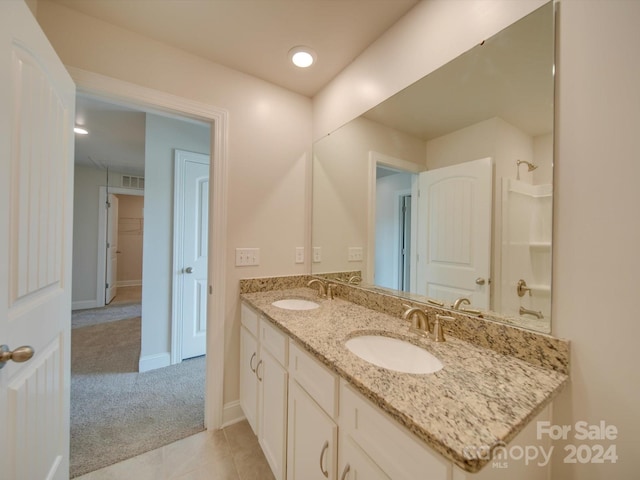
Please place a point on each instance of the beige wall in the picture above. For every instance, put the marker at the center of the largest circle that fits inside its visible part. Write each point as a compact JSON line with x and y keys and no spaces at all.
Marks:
{"x":597,"y":226}
{"x":269,"y":143}
{"x":341,"y":186}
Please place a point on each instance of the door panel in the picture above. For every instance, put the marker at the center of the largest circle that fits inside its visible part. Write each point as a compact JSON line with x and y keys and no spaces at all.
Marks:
{"x":111,"y":287}
{"x":454,"y":237}
{"x":192,"y":206}
{"x":37,"y":104}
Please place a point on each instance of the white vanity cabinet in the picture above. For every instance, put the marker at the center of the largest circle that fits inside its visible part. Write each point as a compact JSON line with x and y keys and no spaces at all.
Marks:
{"x":313,"y":425}
{"x":381,"y":446}
{"x":264,"y":386}
{"x":355,"y":464}
{"x":248,"y":363}
{"x":313,"y":433}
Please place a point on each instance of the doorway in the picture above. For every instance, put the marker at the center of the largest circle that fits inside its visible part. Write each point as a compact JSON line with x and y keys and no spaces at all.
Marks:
{"x":124,"y":92}
{"x":163,"y":135}
{"x":120,"y":242}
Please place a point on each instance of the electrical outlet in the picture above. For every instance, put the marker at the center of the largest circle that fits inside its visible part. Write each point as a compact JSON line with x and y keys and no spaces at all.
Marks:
{"x":317,"y":254}
{"x":355,"y":254}
{"x":299,"y":254}
{"x":247,"y":257}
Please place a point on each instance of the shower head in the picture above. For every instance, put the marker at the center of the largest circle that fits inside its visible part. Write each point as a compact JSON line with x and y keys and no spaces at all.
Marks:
{"x":530,"y":166}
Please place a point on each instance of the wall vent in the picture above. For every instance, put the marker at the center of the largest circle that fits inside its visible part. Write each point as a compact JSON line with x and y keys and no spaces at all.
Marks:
{"x":129,"y":181}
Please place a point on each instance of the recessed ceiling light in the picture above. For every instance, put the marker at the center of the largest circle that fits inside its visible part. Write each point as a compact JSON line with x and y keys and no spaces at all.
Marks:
{"x":81,"y":131}
{"x":302,"y":57}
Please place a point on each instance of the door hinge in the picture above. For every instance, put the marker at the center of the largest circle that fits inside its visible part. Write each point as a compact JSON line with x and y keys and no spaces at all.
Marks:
{"x":108,"y":204}
{"x":108,"y":245}
{"x":106,"y":286}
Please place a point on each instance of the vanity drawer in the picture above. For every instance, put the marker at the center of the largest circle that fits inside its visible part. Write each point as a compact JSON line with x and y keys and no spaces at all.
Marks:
{"x":396,"y":451}
{"x":274,"y":341}
{"x":249,"y":318}
{"x":320,"y":383}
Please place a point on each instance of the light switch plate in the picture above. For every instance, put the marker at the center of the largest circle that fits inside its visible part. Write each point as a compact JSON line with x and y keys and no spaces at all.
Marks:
{"x":317,"y":254}
{"x":299,"y":254}
{"x":246,"y":257}
{"x":355,"y":254}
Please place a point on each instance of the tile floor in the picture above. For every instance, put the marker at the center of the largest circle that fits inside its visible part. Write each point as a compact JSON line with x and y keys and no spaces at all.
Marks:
{"x":229,"y":454}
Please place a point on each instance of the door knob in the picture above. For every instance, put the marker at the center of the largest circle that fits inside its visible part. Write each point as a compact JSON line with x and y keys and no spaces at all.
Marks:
{"x":19,"y":355}
{"x":188,"y":270}
{"x":480,"y":281}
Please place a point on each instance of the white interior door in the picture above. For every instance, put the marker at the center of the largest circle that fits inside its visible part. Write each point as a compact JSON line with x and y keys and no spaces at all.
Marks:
{"x":454,"y":232}
{"x":37,"y":103}
{"x":111,"y":280}
{"x":191,"y":217}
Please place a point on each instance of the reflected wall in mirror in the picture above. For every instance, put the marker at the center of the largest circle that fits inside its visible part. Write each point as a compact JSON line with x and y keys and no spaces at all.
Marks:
{"x":445,"y":189}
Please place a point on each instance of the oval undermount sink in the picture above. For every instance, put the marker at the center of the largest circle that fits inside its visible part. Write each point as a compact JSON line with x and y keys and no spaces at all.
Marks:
{"x":393,"y":354}
{"x":295,"y":304}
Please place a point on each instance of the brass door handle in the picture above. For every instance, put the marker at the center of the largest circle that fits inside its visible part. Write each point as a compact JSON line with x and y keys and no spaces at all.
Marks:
{"x":480,"y":281}
{"x":19,"y":355}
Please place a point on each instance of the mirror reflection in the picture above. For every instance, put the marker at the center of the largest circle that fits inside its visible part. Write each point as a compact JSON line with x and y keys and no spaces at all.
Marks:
{"x":445,"y":189}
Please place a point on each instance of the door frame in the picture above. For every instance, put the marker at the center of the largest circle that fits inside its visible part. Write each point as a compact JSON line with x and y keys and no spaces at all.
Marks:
{"x":101,"y":275}
{"x":119,"y":91}
{"x":375,"y":159}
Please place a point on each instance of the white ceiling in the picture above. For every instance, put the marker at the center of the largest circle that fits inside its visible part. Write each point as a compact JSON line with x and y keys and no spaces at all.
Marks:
{"x":255,"y":36}
{"x":251,"y":36}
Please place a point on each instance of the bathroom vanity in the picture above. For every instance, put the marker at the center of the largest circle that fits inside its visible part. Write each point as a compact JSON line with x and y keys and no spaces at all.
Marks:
{"x":320,"y":411}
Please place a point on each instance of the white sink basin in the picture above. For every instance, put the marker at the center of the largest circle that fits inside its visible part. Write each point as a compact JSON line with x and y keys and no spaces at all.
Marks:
{"x":393,"y":354}
{"x":295,"y":304}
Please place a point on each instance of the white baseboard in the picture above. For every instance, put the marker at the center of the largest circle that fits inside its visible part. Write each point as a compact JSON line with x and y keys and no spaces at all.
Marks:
{"x":232,"y":413}
{"x":85,"y":304}
{"x":151,"y":362}
{"x":129,"y":283}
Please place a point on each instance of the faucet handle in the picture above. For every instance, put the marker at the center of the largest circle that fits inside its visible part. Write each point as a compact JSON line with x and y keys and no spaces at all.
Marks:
{"x":438,"y":332}
{"x":331,"y":290}
{"x":521,"y":288}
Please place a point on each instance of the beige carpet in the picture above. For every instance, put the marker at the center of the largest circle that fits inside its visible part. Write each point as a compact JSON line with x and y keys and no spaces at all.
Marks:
{"x":118,"y":413}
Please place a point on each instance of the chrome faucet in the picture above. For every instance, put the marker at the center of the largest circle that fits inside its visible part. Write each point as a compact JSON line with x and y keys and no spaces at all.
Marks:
{"x":322,"y":287}
{"x":459,"y":302}
{"x":419,"y":320}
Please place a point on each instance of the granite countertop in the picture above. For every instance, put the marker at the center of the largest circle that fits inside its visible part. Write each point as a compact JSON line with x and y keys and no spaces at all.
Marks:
{"x":479,"y":399}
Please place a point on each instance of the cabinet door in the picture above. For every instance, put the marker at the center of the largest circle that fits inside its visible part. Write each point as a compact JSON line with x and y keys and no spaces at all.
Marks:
{"x":272,"y":412}
{"x":355,"y":464}
{"x":248,"y":379}
{"x":312,"y":452}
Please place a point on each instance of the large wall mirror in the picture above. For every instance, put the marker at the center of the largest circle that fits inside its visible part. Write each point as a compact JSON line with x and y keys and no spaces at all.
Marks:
{"x":445,"y":189}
